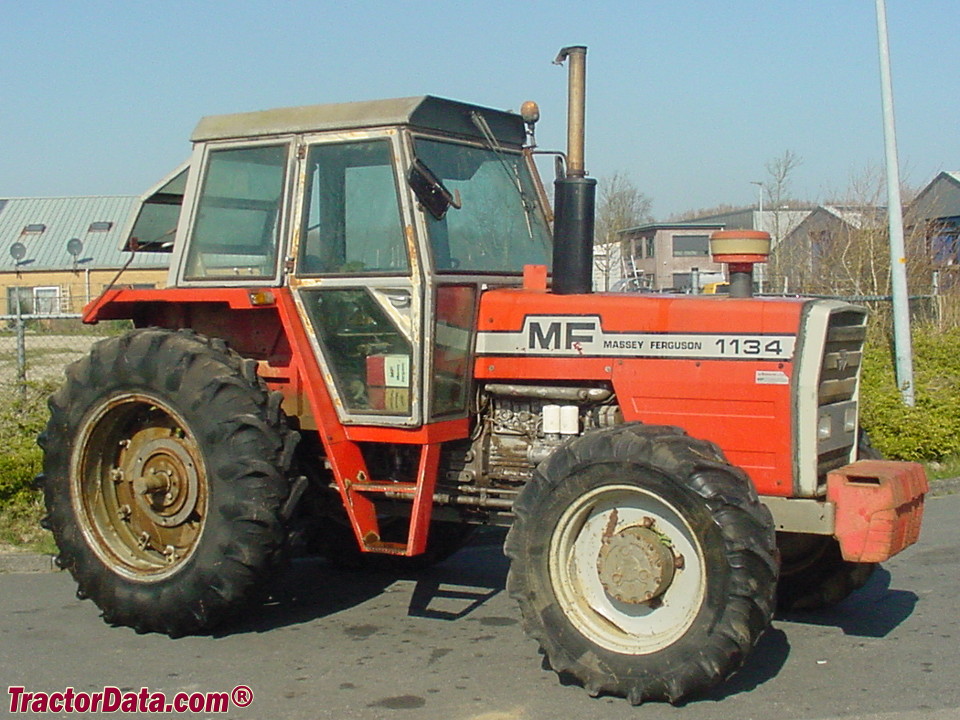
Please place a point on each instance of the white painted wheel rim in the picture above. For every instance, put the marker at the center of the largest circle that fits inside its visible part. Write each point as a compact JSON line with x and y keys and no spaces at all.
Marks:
{"x":627,"y":628}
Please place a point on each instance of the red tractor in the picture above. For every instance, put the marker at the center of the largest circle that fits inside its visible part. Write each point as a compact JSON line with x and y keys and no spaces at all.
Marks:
{"x":360,"y":342}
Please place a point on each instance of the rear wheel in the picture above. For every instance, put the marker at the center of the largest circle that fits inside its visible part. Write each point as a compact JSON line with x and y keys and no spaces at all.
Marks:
{"x":643,"y":563}
{"x":813,"y":573}
{"x":164,"y":475}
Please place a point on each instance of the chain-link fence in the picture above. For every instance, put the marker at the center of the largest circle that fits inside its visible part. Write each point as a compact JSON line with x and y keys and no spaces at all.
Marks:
{"x":36,"y":348}
{"x":924,"y":309}
{"x":939,"y":311}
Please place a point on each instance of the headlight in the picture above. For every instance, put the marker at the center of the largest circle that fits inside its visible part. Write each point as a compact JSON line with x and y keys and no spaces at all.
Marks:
{"x":850,"y":419}
{"x":824,"y":427}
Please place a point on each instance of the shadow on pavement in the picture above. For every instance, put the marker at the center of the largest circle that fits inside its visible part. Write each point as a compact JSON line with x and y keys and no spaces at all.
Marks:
{"x":312,"y":588}
{"x":763,"y":664}
{"x":462,"y":584}
{"x":309,"y":589}
{"x":874,"y":611}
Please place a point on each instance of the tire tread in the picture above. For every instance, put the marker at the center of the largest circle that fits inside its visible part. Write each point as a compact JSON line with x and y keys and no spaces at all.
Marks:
{"x":747,"y":533}
{"x":247,"y":447}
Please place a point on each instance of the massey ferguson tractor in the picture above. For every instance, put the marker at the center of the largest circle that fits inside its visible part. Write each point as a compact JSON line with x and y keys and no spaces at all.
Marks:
{"x":377,"y":335}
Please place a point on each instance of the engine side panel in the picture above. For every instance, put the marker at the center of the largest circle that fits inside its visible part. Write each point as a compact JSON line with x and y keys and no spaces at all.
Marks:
{"x":723,"y":402}
{"x":720,"y":368}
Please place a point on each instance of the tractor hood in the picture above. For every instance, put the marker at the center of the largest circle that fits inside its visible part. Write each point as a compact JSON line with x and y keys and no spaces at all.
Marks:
{"x":604,"y":325}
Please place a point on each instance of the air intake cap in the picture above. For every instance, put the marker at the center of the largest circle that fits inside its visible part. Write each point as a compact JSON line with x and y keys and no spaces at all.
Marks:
{"x":740,"y":250}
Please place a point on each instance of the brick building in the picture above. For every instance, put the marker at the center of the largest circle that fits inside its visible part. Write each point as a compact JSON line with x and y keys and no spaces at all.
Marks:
{"x":60,"y":253}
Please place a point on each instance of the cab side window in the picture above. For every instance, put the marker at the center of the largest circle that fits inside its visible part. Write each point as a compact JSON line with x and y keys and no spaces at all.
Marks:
{"x":352,"y":222}
{"x":237,"y":227}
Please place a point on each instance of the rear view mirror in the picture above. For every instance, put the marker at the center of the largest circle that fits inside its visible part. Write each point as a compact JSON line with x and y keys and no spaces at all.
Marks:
{"x":430,"y":190}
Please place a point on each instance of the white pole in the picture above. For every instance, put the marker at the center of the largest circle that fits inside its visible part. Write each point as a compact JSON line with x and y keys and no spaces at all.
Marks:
{"x":759,"y":185}
{"x":898,"y":260}
{"x":759,"y":226}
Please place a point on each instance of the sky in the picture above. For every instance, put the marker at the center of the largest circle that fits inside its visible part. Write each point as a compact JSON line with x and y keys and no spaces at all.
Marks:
{"x":691,"y":99}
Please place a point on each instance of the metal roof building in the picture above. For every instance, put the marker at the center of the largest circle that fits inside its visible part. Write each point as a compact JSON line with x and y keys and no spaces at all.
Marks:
{"x":939,"y":199}
{"x":39,"y":230}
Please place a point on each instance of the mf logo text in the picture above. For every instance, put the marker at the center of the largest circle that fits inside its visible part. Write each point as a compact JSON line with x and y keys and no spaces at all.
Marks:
{"x":561,"y":334}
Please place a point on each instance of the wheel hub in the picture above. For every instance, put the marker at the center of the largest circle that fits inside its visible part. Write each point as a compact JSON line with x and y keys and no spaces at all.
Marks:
{"x":635,"y":566}
{"x":164,"y":477}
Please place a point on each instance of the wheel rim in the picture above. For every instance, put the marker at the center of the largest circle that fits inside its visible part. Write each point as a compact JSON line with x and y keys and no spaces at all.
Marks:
{"x":139,"y":486}
{"x":627,"y":569}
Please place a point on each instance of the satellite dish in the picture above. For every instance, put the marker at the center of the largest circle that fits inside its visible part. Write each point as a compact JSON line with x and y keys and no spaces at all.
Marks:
{"x":75,"y":247}
{"x":18,"y":251}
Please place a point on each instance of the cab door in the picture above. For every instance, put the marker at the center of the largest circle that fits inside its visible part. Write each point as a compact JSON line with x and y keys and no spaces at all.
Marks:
{"x":358,"y":276}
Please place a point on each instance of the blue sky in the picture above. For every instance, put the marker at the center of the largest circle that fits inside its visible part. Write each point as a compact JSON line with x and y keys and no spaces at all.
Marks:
{"x":690,"y":98}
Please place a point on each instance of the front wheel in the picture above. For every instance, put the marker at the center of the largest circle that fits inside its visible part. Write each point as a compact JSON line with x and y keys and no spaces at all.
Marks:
{"x":643,"y":563}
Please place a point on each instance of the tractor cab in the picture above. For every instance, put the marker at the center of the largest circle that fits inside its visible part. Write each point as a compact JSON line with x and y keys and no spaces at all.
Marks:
{"x":385,"y":219}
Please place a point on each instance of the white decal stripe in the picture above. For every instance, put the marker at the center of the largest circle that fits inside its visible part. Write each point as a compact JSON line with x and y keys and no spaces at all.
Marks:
{"x":572,"y":336}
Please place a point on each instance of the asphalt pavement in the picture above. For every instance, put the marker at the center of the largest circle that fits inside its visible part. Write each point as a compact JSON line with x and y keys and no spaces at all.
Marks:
{"x":447,"y":643}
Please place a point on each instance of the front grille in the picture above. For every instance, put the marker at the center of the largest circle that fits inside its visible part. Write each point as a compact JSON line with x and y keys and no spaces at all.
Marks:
{"x":842,"y":354}
{"x":837,"y":387}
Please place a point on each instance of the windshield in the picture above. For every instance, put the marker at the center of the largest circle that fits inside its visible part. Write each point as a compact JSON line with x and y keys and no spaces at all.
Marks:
{"x":498,"y":227}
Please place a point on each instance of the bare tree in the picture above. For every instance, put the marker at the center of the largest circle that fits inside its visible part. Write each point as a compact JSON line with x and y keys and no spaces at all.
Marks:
{"x":779,"y":171}
{"x":847,"y":253}
{"x":620,"y":205}
{"x":721,"y":209}
{"x":777,"y":189}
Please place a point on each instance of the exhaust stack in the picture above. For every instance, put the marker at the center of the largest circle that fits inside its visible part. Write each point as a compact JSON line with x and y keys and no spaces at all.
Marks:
{"x":575,"y":194}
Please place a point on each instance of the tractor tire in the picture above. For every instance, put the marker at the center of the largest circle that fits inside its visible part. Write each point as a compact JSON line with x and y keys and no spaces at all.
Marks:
{"x":813,"y":573}
{"x":164,"y":474}
{"x":643,"y":562}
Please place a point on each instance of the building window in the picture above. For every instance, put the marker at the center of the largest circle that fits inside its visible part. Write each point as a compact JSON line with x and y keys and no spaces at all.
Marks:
{"x":683,"y":281}
{"x":821,"y":243}
{"x":33,"y":229}
{"x":648,"y":247}
{"x":944,"y":238}
{"x":100,"y":226}
{"x":19,"y":300}
{"x":43,"y":300}
{"x":691,"y":246}
{"x":46,"y":300}
{"x":128,"y":286}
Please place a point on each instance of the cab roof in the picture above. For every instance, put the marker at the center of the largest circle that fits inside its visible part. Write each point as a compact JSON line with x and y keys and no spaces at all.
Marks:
{"x":425,"y":112}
